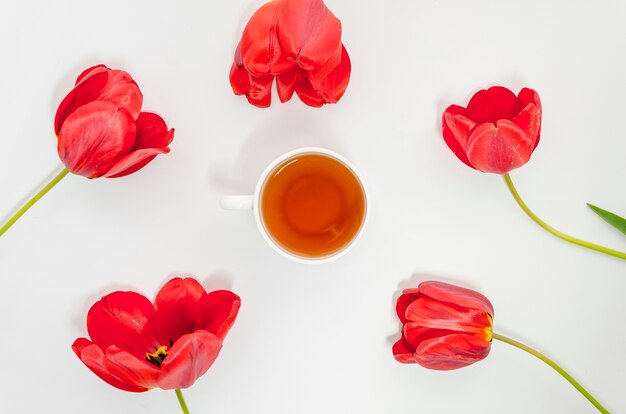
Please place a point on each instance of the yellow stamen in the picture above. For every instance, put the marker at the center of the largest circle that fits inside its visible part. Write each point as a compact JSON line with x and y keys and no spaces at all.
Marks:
{"x":489,"y":330}
{"x":157,"y":356}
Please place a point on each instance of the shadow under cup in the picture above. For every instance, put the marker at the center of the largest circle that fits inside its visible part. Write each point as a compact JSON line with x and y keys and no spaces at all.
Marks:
{"x":312,"y":205}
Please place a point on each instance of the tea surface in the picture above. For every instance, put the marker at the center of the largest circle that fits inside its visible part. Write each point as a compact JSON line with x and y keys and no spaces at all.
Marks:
{"x":312,"y":205}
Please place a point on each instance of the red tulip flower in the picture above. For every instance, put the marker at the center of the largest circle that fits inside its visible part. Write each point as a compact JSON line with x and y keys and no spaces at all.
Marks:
{"x":102,"y":132}
{"x":100,"y":129}
{"x":137,"y":345}
{"x":298,"y":43}
{"x":445,"y":327}
{"x":498,"y":133}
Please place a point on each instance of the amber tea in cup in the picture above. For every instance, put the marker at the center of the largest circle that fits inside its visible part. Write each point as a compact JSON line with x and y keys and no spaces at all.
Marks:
{"x":309,"y":204}
{"x":312,"y":205}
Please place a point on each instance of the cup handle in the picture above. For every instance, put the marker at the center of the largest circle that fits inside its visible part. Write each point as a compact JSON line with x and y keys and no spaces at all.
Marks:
{"x":237,"y":202}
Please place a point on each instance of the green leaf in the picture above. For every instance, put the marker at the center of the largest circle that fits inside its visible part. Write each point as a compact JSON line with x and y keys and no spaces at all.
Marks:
{"x":613,"y":219}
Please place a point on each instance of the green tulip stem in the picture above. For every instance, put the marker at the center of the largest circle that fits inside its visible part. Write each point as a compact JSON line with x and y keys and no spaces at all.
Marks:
{"x":554,"y":231}
{"x":181,"y":401}
{"x":32,"y":201}
{"x":556,"y":367}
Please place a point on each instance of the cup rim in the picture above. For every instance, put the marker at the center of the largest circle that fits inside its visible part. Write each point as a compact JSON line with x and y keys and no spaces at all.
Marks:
{"x":265,"y":233}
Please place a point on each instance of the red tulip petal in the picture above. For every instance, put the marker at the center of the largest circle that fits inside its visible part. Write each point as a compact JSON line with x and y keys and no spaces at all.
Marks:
{"x":499,"y":149}
{"x":82,"y":94}
{"x":460,"y":127}
{"x":93,"y":357}
{"x":258,"y":89}
{"x":403,"y":352}
{"x":308,"y":95}
{"x":259,"y":50}
{"x":341,"y":75}
{"x":122,"y":319}
{"x":414,"y":333}
{"x":131,"y":369}
{"x":134,"y":161}
{"x":260,"y":93}
{"x":87,"y":73}
{"x":115,"y":86}
{"x":239,"y":76}
{"x":177,"y":309}
{"x":403,"y":302}
{"x":479,"y":108}
{"x":446,"y":292}
{"x":95,"y":137}
{"x":529,"y":121}
{"x":320,"y":73}
{"x":451,"y":351}
{"x":219,"y":310}
{"x":455,"y":110}
{"x":433,"y":314}
{"x":122,"y":90}
{"x":331,"y":80}
{"x":80,"y":344}
{"x":501,"y":102}
{"x":152,"y":139}
{"x":308,"y":33}
{"x":456,"y":132}
{"x":152,"y":132}
{"x":528,"y":96}
{"x":286,"y":83}
{"x":491,"y":105}
{"x":190,"y":357}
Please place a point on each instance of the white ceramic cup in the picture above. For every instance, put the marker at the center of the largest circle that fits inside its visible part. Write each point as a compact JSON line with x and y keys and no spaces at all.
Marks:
{"x":253,"y":202}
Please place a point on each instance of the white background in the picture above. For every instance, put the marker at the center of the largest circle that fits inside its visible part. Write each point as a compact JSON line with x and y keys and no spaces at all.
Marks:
{"x":313,"y":339}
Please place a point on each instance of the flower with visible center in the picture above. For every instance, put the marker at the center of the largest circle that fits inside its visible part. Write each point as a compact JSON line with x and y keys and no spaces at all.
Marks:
{"x":136,"y":345}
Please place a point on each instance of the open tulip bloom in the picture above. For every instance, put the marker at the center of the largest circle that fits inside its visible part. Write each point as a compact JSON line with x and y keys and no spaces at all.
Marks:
{"x":102,"y":132}
{"x":497,"y":133}
{"x":137,"y":345}
{"x":298,"y":43}
{"x":447,"y":327}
